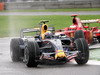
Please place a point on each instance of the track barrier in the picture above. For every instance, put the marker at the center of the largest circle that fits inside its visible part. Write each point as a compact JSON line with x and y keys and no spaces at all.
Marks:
{"x":1,"y":6}
{"x":51,"y":5}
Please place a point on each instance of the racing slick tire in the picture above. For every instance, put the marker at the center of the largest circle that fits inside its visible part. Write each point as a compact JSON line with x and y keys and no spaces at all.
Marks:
{"x":79,"y":34}
{"x":98,"y":39}
{"x":82,"y":47}
{"x":31,"y":54}
{"x":15,"y":50}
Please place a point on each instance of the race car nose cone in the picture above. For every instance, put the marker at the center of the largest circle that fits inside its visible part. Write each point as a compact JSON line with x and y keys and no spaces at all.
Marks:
{"x":60,"y":54}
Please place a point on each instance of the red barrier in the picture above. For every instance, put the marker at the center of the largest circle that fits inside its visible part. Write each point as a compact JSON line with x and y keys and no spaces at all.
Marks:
{"x":1,"y":6}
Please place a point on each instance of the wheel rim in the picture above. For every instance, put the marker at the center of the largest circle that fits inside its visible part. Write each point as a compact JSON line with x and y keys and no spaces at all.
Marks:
{"x":26,"y":55}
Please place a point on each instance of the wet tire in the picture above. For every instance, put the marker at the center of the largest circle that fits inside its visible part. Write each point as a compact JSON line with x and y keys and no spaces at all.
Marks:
{"x":31,"y":54}
{"x":82,"y":46}
{"x":15,"y":50}
{"x":79,"y":34}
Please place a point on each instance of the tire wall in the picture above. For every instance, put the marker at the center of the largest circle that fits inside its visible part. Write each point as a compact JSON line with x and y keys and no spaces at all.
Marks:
{"x":52,"y":5}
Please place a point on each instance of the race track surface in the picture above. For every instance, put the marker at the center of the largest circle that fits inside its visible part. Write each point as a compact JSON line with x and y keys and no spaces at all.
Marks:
{"x":51,"y":13}
{"x":7,"y":67}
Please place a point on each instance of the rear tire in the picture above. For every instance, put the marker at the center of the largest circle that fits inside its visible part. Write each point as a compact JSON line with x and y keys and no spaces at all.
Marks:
{"x":82,"y":46}
{"x":31,"y":54}
{"x":79,"y":34}
{"x":15,"y":50}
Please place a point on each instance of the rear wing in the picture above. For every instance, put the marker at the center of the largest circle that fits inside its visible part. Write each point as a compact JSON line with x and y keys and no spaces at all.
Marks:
{"x":28,"y":30}
{"x":90,"y":21}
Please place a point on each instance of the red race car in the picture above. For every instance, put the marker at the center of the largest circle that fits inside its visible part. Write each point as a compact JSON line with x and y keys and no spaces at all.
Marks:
{"x":92,"y":34}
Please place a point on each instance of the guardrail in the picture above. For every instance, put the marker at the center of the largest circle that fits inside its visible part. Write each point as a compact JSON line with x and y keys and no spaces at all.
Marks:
{"x":52,"y":5}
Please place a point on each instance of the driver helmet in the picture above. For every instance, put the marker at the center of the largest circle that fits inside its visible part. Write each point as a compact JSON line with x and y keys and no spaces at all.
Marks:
{"x":48,"y":35}
{"x":73,"y":26}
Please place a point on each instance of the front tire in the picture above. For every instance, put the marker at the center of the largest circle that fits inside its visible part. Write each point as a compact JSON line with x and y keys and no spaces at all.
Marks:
{"x":15,"y":50}
{"x":31,"y":54}
{"x":82,"y":46}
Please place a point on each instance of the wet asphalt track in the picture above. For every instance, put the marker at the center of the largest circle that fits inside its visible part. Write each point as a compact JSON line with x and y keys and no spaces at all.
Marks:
{"x":51,"y":13}
{"x":7,"y":67}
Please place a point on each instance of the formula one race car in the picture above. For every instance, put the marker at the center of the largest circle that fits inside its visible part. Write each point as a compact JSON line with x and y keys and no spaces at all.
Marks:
{"x":46,"y":46}
{"x":92,"y":34}
{"x":95,"y":31}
